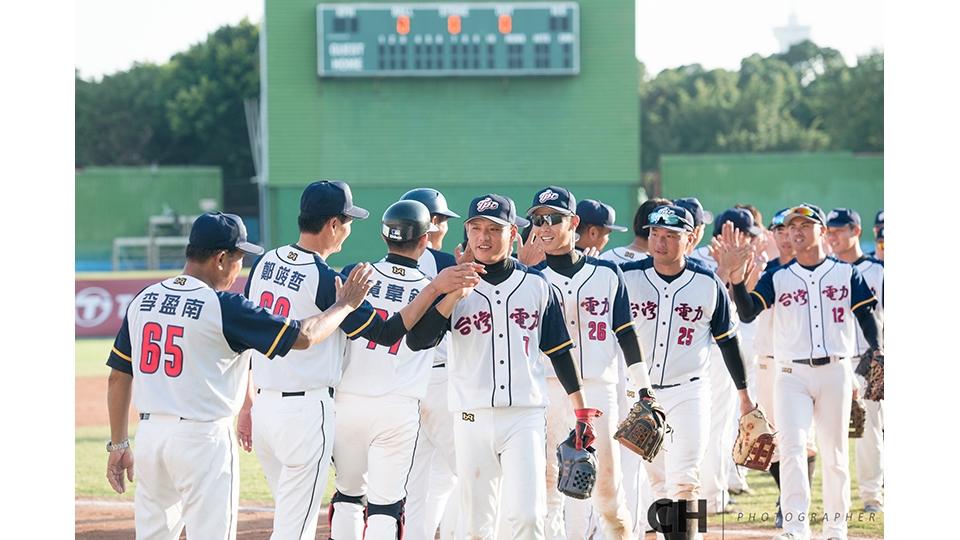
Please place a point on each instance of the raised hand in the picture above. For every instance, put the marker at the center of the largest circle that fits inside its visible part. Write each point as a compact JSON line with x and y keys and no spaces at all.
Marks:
{"x":354,"y":290}
{"x":530,"y":253}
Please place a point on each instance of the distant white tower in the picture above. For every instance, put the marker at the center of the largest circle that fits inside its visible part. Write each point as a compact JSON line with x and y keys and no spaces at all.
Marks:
{"x":791,"y":34}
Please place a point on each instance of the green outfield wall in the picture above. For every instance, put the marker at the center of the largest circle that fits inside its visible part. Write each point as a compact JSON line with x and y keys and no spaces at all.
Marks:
{"x":772,"y":181}
{"x":462,"y":135}
{"x":115,"y":202}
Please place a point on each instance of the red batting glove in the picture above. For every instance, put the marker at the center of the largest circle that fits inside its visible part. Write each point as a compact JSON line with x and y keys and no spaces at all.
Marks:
{"x":585,"y":432}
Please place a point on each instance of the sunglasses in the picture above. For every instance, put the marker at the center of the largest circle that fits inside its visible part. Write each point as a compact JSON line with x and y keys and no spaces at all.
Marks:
{"x":668,"y":219}
{"x":547,"y":219}
{"x":777,"y":220}
{"x":803,"y":211}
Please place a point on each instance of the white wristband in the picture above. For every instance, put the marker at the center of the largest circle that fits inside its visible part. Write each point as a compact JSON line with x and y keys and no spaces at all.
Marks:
{"x":638,"y":373}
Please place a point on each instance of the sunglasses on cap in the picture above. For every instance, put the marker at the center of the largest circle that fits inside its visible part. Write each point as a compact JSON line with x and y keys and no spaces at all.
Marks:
{"x":778,"y":220}
{"x":547,"y":219}
{"x":668,"y":219}
{"x":803,"y":211}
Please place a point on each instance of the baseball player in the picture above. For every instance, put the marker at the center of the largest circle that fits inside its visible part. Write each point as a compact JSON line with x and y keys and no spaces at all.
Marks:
{"x":637,"y":249}
{"x":293,"y":410}
{"x":597,"y":220}
{"x":819,"y":302}
{"x":497,"y":384}
{"x":378,"y":398}
{"x":878,"y":234}
{"x":679,"y":307}
{"x":180,"y":350}
{"x":843,"y":234}
{"x":432,"y":477}
{"x":595,"y":303}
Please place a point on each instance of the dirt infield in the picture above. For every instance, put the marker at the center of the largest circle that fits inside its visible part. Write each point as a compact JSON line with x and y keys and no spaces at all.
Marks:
{"x":109,"y":520}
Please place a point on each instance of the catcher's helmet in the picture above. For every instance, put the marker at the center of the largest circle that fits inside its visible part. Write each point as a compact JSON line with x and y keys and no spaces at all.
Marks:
{"x":432,"y":199}
{"x":406,"y":220}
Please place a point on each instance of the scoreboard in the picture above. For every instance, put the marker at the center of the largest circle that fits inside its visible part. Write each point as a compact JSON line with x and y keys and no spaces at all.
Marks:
{"x":448,"y":40}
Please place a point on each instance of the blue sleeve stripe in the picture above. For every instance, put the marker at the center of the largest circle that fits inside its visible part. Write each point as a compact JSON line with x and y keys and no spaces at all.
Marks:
{"x":762,"y":301}
{"x":269,"y":353}
{"x":121,"y":355}
{"x":366,"y":324}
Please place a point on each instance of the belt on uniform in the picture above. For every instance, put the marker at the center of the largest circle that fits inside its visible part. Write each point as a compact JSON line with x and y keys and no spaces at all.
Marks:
{"x":822,"y":361}
{"x":300,"y":393}
{"x":439,"y":365}
{"x":146,"y":416}
{"x":662,"y":386}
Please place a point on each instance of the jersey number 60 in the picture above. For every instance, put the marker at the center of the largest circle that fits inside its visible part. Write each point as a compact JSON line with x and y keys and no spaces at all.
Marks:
{"x":151,"y":353}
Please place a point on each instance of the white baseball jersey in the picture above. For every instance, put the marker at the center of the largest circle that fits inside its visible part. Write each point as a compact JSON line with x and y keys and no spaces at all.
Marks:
{"x":291,"y":281}
{"x":497,"y":334}
{"x":622,"y":255}
{"x":871,"y":269}
{"x":763,"y":342}
{"x":182,"y":343}
{"x":596,"y":309}
{"x":814,"y":315}
{"x":370,"y":369}
{"x":676,"y":321}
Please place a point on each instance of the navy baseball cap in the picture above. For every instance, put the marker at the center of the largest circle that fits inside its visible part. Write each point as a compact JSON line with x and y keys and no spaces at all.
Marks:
{"x":840,"y":217}
{"x":741,"y":218}
{"x":878,"y":221}
{"x":671,"y":217}
{"x":597,"y":213}
{"x":700,"y":216}
{"x":330,"y":199}
{"x":496,"y":208}
{"x":805,"y":210}
{"x":555,"y":198}
{"x":215,"y":230}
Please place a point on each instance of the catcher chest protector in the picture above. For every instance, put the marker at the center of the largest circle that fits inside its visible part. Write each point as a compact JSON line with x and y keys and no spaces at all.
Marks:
{"x":578,"y":469}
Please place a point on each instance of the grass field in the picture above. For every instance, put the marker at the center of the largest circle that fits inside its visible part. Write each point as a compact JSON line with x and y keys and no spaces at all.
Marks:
{"x":758,"y":510}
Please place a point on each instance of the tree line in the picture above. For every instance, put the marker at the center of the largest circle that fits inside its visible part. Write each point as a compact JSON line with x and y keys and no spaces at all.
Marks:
{"x":189,"y":111}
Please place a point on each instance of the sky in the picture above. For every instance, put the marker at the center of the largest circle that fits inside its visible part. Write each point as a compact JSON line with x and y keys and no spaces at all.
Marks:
{"x":113,"y":34}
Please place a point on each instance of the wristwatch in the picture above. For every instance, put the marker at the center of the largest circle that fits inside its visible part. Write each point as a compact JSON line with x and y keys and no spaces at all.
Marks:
{"x":112,"y":447}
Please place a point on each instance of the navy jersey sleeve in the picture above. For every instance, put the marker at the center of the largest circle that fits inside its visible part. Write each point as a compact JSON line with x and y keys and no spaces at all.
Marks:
{"x":860,"y":294}
{"x":722,"y":325}
{"x":764,"y":290}
{"x":554,"y":338}
{"x":246,"y":326}
{"x":444,"y":260}
{"x":359,"y":320}
{"x":120,"y":354}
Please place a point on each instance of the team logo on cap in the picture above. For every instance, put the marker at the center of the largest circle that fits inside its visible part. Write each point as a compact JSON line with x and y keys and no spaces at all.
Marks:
{"x":548,"y":195}
{"x":833,"y":215}
{"x":395,"y":234}
{"x":880,"y":217}
{"x":487,"y":204}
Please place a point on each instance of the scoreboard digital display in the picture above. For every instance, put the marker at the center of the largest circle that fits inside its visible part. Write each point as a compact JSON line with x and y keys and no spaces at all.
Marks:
{"x":448,"y":40}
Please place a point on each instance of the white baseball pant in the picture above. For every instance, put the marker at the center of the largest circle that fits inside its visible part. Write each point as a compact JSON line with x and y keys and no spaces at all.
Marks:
{"x":293,"y":439}
{"x":187,"y":474}
{"x":822,"y":394}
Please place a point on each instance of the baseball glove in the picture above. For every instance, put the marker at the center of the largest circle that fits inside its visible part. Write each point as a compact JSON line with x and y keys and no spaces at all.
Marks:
{"x":578,"y":468}
{"x":755,"y":443}
{"x":644,"y":428}
{"x":874,"y":377}
{"x":858,"y":419}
